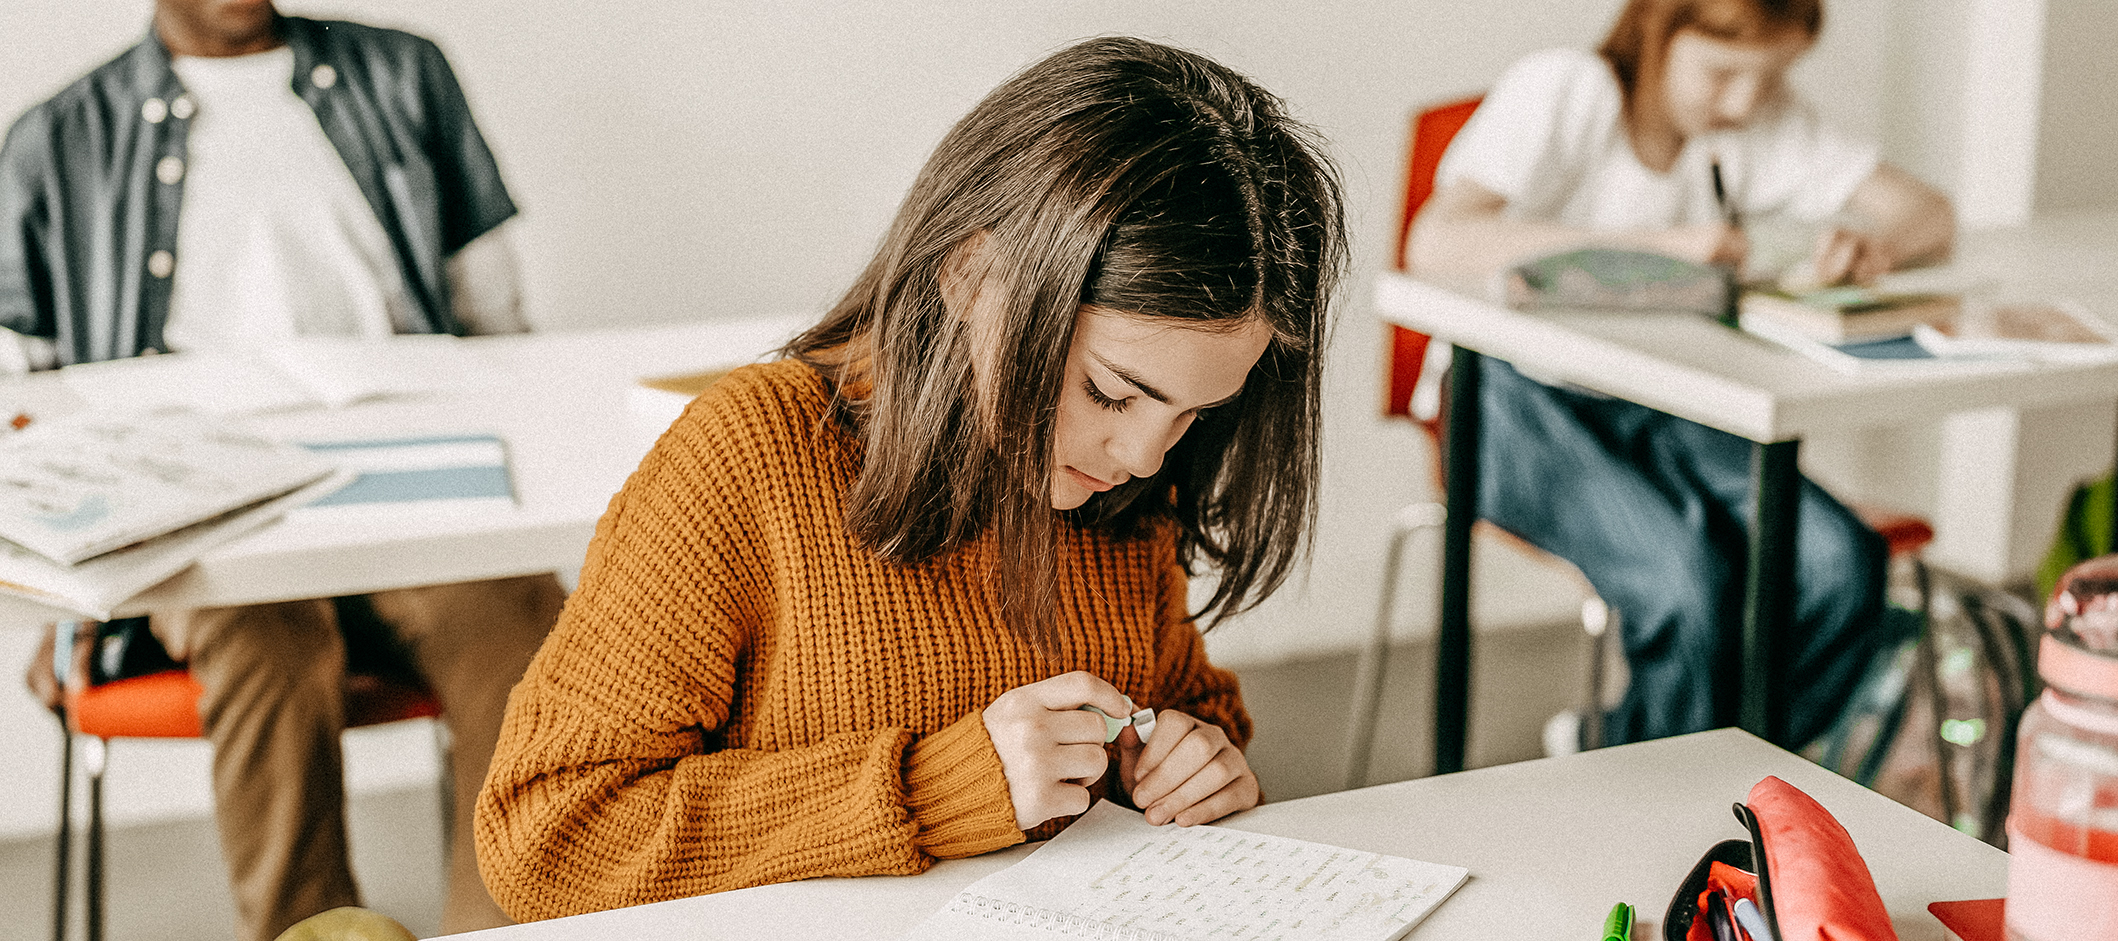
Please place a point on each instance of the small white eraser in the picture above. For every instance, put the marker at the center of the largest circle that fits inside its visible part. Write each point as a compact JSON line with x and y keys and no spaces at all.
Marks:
{"x":1144,"y":724}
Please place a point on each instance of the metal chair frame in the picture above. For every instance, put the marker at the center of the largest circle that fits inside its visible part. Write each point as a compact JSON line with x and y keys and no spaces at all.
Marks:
{"x":95,"y":760}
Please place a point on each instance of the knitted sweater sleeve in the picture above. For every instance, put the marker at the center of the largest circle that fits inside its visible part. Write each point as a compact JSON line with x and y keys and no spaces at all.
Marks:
{"x":612,"y":784}
{"x":1187,"y":682}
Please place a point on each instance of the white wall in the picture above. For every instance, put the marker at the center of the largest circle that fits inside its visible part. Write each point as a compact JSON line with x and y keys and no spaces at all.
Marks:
{"x":680,"y":160}
{"x":2077,"y":153}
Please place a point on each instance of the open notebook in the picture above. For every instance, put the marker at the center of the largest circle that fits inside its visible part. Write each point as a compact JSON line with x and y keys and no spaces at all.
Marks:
{"x":1111,"y":875}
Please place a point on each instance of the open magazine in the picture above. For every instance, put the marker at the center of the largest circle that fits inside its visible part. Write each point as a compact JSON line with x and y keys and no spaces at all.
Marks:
{"x":76,"y":487}
{"x":97,"y":587}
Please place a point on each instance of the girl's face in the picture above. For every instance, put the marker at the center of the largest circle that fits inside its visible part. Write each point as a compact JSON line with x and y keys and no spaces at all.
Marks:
{"x":1713,"y":84}
{"x":1133,"y":386}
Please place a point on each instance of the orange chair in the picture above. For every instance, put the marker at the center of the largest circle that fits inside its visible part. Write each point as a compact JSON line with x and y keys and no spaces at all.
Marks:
{"x":1431,"y":131}
{"x":165,"y":705}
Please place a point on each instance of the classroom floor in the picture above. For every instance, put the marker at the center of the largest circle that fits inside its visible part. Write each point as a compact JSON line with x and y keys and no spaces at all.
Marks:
{"x":166,"y":882}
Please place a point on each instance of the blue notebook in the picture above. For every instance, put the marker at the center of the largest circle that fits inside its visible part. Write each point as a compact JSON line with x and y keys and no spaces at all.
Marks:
{"x":1887,"y":348}
{"x":453,"y":469}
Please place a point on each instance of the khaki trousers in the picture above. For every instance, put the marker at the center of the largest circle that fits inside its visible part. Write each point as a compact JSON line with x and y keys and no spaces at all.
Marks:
{"x":273,"y":707}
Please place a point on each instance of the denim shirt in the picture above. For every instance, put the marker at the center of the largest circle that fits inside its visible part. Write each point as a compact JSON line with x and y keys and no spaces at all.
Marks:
{"x":91,"y":182}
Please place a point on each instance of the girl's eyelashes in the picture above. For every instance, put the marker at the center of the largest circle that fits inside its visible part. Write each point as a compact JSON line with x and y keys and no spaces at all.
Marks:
{"x":1096,"y":395}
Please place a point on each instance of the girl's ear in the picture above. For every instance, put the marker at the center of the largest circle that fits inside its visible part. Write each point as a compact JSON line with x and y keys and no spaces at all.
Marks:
{"x":962,"y":273}
{"x":977,"y":307}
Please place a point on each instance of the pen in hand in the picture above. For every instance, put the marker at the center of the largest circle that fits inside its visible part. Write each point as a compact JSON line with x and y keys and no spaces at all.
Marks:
{"x":1731,"y":304}
{"x":1729,"y":213}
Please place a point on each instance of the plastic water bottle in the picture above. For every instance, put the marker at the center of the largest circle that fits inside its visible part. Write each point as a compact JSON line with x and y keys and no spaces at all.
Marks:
{"x":2063,"y":827}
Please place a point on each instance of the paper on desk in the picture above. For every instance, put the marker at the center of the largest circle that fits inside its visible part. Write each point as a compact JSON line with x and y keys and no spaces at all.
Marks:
{"x":1113,"y":875}
{"x":97,"y":587}
{"x":78,"y":486}
{"x":308,"y":372}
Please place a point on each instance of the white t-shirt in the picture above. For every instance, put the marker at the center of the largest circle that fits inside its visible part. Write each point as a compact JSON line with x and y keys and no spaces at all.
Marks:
{"x":274,"y":239}
{"x":1550,"y":139}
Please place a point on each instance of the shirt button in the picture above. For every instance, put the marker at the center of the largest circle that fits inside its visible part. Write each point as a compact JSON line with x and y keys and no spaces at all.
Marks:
{"x":153,"y":110}
{"x":169,"y":170}
{"x":323,"y":76}
{"x":182,"y":107}
{"x":161,"y":263}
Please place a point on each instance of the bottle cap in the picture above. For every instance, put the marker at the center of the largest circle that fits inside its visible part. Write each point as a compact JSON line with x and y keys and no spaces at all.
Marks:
{"x":2064,"y":662}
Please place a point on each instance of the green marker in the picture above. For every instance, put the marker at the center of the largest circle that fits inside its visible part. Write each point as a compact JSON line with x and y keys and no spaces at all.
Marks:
{"x":1618,"y":925}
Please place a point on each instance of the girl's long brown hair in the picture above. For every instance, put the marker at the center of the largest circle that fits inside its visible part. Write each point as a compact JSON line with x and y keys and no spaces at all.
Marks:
{"x":1130,"y":176}
{"x":1638,"y":44}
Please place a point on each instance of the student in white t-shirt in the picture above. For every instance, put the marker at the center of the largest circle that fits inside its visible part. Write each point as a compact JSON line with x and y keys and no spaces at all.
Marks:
{"x":1618,"y":148}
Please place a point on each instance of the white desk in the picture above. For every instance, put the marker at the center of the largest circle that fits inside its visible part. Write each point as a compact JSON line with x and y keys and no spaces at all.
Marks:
{"x":1550,"y":845}
{"x":1694,"y":368}
{"x":560,"y":402}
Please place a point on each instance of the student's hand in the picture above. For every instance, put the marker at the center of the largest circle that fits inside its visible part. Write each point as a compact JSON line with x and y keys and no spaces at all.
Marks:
{"x":1188,"y":772}
{"x":1845,"y":256}
{"x":1050,"y":749}
{"x":1712,"y":244}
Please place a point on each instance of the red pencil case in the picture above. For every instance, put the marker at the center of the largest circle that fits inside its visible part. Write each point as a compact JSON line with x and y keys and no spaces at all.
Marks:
{"x":1799,"y":868}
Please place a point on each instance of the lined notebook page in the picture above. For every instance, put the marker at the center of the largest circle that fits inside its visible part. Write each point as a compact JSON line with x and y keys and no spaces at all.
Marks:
{"x":1113,"y":876}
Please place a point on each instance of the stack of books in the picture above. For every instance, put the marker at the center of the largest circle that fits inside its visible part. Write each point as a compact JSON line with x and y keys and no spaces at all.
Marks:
{"x":1851,"y":313}
{"x":1860,"y":329}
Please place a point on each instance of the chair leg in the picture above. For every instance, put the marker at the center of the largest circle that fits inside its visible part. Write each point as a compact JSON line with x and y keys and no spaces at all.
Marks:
{"x":1368,"y":675}
{"x":1600,"y":621}
{"x":62,"y":856}
{"x":96,"y":755}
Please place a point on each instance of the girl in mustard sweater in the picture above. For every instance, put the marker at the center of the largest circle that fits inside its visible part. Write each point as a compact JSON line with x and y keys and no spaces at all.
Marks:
{"x":843,"y":618}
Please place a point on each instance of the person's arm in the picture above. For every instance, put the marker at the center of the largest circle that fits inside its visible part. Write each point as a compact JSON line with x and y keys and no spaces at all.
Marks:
{"x":611,"y":784}
{"x":27,"y":317}
{"x":485,"y":286}
{"x":473,"y":198}
{"x":21,"y":354}
{"x":1898,"y":222}
{"x":1464,"y":229}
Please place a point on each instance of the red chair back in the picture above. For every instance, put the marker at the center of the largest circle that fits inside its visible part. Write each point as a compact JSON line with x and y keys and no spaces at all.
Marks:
{"x":1432,"y":130}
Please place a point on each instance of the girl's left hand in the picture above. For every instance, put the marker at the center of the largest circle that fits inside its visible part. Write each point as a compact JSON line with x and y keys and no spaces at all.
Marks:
{"x":1844,"y":256}
{"x":1189,"y":772}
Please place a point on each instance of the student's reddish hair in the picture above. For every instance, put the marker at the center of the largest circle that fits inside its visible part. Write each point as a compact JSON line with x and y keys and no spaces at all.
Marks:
{"x":1638,"y":44}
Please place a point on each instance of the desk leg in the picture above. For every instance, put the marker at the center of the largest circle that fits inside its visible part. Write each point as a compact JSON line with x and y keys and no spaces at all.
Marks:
{"x":1452,"y":664}
{"x":1769,"y":597}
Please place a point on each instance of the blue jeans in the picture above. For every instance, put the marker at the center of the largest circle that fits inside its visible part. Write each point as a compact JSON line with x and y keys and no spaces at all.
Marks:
{"x":1655,"y":511}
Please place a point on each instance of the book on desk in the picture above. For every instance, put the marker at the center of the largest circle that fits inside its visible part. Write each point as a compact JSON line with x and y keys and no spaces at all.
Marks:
{"x":1849,"y":313}
{"x":1955,"y":333}
{"x":98,"y":507}
{"x":78,"y":486}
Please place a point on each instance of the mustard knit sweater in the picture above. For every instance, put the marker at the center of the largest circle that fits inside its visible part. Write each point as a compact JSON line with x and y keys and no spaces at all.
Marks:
{"x":740,"y":694}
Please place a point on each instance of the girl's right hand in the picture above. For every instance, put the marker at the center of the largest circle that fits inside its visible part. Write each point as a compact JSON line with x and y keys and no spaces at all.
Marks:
{"x":1050,"y":749}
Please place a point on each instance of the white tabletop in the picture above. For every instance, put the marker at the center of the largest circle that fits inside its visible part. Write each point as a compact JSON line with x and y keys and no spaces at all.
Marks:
{"x":1550,"y":844}
{"x":1694,"y":368}
{"x":561,"y":403}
